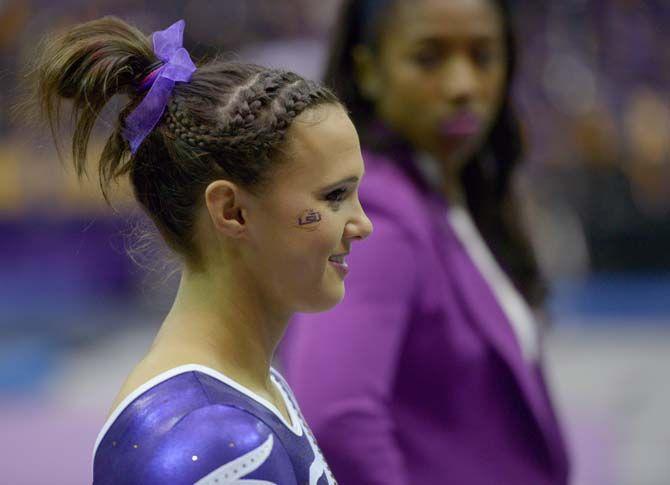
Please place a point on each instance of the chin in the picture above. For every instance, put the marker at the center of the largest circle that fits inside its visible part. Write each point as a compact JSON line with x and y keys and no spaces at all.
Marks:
{"x":323,"y":301}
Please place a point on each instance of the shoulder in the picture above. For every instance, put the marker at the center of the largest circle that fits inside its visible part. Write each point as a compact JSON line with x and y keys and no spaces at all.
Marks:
{"x":228,"y":444}
{"x":215,"y":443}
{"x":174,"y":433}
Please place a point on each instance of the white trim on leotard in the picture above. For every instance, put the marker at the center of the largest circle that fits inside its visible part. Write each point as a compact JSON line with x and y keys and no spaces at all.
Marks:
{"x":294,"y":425}
{"x":230,"y":473}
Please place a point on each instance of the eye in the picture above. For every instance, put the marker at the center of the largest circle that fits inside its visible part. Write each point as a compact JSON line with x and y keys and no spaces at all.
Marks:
{"x":427,"y":58}
{"x":337,"y":195}
{"x":428,"y":54}
{"x":484,"y":55}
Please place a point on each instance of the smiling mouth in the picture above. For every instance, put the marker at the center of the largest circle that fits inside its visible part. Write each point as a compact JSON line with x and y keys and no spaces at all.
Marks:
{"x":338,"y":258}
{"x":338,"y":262}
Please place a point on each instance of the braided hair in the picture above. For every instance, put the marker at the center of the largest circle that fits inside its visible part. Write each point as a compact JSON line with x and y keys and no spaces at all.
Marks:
{"x":229,"y":121}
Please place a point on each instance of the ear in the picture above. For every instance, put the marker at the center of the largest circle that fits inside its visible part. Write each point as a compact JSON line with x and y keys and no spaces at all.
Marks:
{"x":225,"y":207}
{"x":366,"y":72}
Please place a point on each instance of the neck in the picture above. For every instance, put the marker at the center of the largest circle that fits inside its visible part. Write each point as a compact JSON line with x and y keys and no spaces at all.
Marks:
{"x":452,"y":182}
{"x":452,"y":188}
{"x":444,"y":175}
{"x":224,"y":322}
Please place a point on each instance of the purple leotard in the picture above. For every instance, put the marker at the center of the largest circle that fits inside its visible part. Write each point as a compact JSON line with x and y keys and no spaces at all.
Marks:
{"x":193,"y":425}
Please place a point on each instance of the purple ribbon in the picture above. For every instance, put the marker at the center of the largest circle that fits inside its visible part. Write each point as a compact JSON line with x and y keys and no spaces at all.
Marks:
{"x":177,"y":67}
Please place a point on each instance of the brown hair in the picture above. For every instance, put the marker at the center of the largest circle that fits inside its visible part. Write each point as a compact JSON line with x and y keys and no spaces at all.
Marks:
{"x":228,"y":122}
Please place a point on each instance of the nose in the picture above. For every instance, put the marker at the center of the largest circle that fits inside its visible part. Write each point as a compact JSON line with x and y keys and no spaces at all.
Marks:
{"x":360,"y":226}
{"x":459,"y":80}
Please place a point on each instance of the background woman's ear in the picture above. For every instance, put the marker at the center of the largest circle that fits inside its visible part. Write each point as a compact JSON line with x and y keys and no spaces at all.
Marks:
{"x":366,"y":72}
{"x":223,"y":199}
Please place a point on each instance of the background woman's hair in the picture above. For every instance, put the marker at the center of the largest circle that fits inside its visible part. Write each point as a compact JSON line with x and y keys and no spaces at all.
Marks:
{"x":486,"y":177}
{"x":228,"y":122}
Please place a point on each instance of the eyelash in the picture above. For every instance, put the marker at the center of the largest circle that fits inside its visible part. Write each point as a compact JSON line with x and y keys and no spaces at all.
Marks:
{"x":427,"y":59}
{"x":337,"y":195}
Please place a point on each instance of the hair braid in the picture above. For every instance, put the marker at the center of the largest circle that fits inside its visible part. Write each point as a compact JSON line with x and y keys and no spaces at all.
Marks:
{"x":228,"y":121}
{"x":248,"y":127}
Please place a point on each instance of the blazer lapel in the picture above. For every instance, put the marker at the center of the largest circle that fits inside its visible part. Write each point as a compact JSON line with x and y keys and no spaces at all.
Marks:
{"x":489,"y":317}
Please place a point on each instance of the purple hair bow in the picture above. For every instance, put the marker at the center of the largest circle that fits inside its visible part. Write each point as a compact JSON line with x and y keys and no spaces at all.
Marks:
{"x":177,"y":67}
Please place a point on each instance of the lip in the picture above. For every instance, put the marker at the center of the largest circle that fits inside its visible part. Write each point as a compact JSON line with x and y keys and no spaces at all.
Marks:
{"x":462,"y":125}
{"x":342,"y":268}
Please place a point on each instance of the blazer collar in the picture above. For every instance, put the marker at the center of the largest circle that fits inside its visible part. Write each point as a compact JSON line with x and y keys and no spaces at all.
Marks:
{"x":488,"y":316}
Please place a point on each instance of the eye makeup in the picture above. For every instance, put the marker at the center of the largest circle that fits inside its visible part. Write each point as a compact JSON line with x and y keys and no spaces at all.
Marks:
{"x":337,"y":195}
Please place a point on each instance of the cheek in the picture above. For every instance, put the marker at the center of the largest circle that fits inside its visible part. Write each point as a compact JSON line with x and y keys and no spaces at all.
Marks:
{"x":405,"y":107}
{"x":400,"y":77}
{"x":493,"y":86}
{"x":300,"y":272}
{"x":411,"y":88}
{"x":308,"y":240}
{"x":322,"y":239}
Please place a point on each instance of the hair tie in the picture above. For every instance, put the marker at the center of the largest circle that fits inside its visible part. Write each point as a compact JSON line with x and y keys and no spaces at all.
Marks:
{"x":148,"y":80}
{"x":177,"y":67}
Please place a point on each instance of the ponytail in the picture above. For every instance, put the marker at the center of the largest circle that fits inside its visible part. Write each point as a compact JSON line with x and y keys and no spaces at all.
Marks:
{"x":89,"y":64}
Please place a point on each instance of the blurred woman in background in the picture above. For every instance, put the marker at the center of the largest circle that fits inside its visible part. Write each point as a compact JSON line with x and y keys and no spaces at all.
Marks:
{"x":430,"y":371}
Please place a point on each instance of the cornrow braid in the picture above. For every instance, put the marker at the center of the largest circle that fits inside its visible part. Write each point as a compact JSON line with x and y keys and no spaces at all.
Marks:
{"x":233,"y":132}
{"x":229,"y":121}
{"x":252,"y":124}
{"x":249,"y":127}
{"x":247,"y":102}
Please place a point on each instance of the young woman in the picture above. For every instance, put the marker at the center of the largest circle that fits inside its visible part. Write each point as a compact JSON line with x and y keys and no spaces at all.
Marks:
{"x":251,"y":176}
{"x":430,"y":369}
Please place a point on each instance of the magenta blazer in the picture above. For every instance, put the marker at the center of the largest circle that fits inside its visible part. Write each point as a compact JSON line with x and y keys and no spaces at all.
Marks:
{"x":417,"y":377}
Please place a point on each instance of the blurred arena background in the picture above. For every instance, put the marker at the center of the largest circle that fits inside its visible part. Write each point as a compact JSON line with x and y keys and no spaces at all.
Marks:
{"x":594,"y":94}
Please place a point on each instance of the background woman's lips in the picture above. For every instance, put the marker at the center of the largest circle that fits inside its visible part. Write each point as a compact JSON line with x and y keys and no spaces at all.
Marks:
{"x":461,"y":125}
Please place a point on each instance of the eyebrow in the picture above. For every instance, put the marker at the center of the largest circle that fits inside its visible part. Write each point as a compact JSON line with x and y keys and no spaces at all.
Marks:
{"x":433,"y":41}
{"x":341,"y":182}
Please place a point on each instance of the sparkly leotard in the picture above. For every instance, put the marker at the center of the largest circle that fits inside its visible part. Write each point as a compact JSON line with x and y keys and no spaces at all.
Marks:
{"x":194,"y":425}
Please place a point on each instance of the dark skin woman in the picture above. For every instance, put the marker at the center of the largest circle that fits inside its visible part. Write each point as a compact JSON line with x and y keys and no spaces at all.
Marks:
{"x":438,"y":375}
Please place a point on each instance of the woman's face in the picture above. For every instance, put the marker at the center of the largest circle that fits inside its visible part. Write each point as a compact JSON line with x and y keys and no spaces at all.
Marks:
{"x":302,"y":227}
{"x":439,"y":73}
